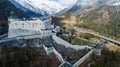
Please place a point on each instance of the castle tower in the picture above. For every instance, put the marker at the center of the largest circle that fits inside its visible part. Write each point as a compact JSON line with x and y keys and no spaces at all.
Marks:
{"x":12,"y":16}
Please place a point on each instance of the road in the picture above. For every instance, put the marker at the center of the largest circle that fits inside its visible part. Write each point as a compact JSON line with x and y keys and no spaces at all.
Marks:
{"x":103,"y":37}
{"x":88,"y":40}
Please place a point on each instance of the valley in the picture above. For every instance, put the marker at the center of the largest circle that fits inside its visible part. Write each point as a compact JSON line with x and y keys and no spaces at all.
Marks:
{"x":59,"y":33}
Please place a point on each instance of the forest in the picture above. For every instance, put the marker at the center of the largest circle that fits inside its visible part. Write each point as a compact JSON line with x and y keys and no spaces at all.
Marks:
{"x":107,"y":59}
{"x":26,"y":57}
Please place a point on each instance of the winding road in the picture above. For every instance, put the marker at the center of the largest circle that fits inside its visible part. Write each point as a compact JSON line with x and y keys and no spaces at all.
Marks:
{"x":103,"y":37}
{"x":85,"y":31}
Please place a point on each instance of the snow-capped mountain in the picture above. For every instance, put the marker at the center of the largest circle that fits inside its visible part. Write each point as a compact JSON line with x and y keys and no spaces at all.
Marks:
{"x":82,"y":4}
{"x":115,"y":4}
{"x":51,"y":7}
{"x":43,"y":7}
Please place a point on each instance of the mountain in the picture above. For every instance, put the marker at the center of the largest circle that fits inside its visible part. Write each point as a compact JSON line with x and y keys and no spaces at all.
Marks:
{"x":83,"y":4}
{"x":43,"y":7}
{"x":104,"y":19}
{"x":52,"y":7}
{"x":116,"y":4}
{"x":102,"y":16}
{"x":6,"y":7}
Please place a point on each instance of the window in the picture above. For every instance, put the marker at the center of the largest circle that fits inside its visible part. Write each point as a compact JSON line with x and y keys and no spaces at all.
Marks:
{"x":12,"y":24}
{"x":22,"y":23}
{"x":29,"y":23}
{"x":16,"y":24}
{"x":36,"y":23}
{"x":33,"y":25}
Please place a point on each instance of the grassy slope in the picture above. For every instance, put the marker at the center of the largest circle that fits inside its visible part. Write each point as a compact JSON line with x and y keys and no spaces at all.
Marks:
{"x":107,"y":27}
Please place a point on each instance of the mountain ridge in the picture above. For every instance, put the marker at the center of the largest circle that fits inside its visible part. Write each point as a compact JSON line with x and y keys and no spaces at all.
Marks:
{"x":52,"y":7}
{"x":104,"y":20}
{"x":46,"y":7}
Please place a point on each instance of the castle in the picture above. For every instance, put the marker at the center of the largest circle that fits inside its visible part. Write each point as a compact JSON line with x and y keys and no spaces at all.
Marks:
{"x":22,"y":27}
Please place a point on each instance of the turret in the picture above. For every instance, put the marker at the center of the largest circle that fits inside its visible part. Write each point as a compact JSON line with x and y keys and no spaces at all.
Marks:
{"x":12,"y":16}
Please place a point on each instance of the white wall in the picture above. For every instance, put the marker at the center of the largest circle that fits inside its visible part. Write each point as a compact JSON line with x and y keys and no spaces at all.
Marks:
{"x":83,"y":59}
{"x":28,"y":27}
{"x":66,"y":44}
{"x":52,"y":50}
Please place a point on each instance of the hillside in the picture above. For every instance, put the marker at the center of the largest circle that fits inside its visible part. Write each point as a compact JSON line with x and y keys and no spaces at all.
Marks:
{"x":104,"y":20}
{"x":112,"y":47}
{"x":26,"y":57}
{"x":6,"y":7}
